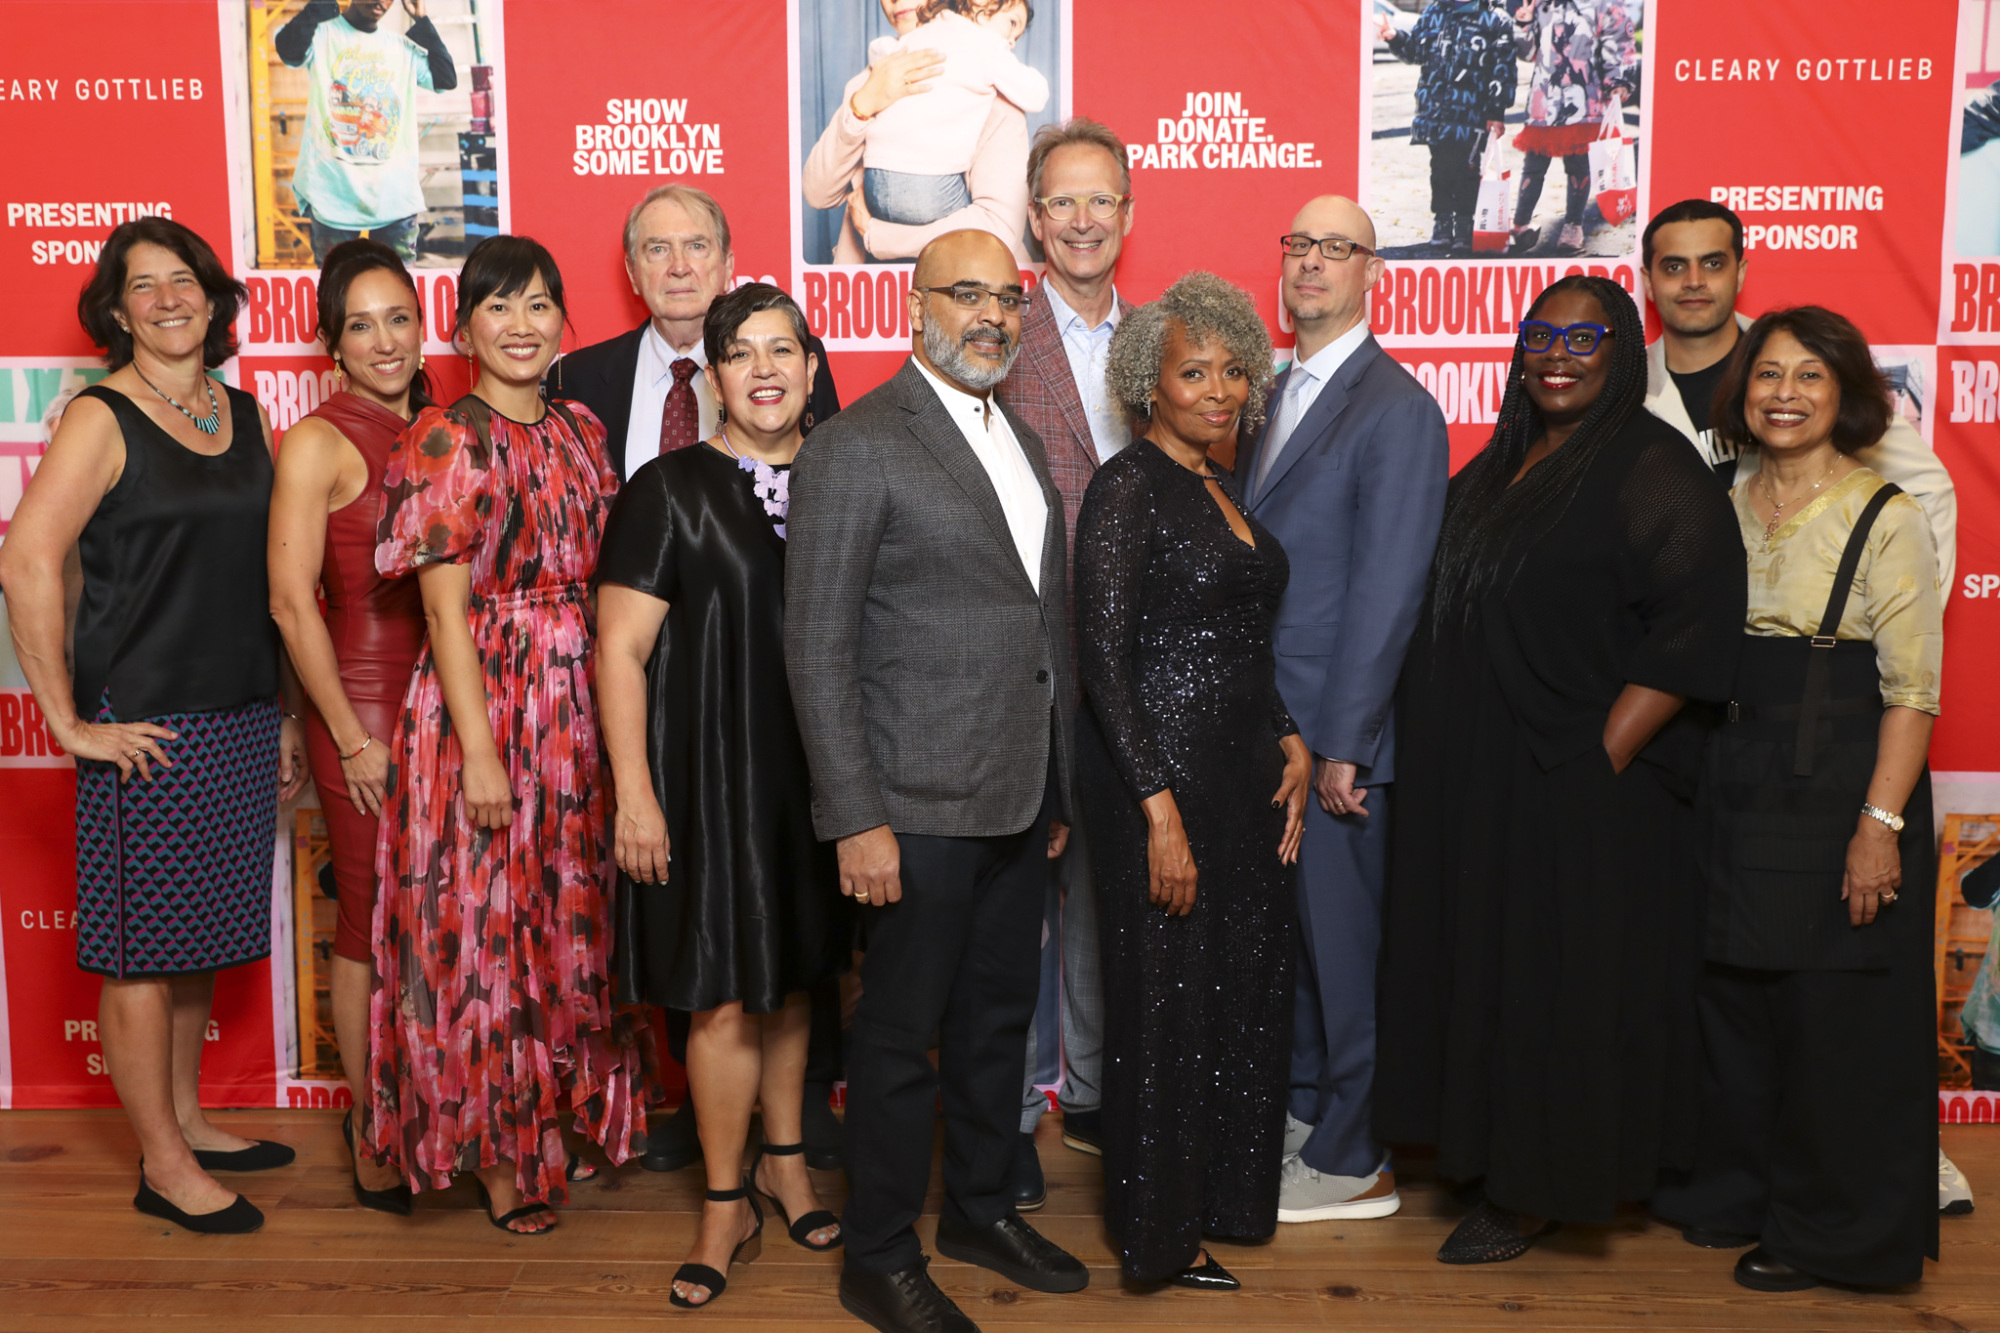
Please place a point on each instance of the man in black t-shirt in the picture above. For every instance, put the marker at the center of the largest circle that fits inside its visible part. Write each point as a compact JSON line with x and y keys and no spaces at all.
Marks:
{"x":1694,"y":268}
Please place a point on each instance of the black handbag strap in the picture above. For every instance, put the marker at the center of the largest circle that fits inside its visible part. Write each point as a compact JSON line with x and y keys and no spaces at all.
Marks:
{"x":479,"y":414}
{"x":1812,"y":704}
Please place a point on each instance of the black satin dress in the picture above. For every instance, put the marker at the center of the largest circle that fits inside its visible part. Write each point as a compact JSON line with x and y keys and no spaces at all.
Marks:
{"x":751,"y":909}
{"x":1174,"y":615}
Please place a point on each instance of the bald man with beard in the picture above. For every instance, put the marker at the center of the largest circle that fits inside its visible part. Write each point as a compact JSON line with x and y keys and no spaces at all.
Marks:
{"x":927,"y":648}
{"x":1349,"y":475}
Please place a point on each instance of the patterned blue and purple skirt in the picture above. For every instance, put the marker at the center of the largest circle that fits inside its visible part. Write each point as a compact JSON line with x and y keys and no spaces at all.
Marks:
{"x":174,"y":875}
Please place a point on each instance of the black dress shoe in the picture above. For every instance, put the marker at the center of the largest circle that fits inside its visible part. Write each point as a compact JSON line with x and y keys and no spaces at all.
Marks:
{"x":239,"y":1217}
{"x":262,"y":1155}
{"x":825,"y":1137}
{"x":672,"y":1141}
{"x":904,"y":1302}
{"x":1025,"y":1185}
{"x":1760,"y":1270}
{"x":1016,"y":1251}
{"x":1209,"y":1276}
{"x":1709,"y":1239}
{"x":1083,"y":1131}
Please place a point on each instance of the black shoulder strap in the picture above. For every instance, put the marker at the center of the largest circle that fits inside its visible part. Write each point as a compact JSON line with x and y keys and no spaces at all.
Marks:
{"x":1829,"y":629}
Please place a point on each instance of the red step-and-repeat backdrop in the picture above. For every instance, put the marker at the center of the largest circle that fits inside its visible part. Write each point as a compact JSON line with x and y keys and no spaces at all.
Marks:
{"x":1832,"y":126}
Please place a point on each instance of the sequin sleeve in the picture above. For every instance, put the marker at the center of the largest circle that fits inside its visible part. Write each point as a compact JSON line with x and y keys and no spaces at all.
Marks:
{"x":1114,"y":536}
{"x":437,"y":495}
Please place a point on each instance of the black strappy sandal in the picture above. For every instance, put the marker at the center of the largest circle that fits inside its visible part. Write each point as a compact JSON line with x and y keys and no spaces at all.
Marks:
{"x":702,"y":1275}
{"x":816,"y":1220}
{"x":395,"y":1199}
{"x":579,"y":1171}
{"x":513,"y":1215}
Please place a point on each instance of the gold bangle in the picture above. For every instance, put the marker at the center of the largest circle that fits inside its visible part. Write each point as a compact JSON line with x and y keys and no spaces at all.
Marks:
{"x":854,"y":110}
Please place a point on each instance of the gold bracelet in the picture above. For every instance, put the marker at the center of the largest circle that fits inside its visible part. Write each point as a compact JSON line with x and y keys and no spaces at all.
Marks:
{"x":357,"y":750}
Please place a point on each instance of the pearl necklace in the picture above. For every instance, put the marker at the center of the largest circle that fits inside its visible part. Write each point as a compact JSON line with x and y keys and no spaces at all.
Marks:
{"x":208,"y":425}
{"x":1777,"y":508}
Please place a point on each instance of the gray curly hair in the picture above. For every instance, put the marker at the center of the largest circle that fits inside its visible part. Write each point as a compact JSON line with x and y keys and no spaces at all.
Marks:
{"x":1208,"y":308}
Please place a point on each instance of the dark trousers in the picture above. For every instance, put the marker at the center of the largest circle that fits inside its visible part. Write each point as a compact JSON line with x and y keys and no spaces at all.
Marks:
{"x":1535,"y":171}
{"x":959,"y":958}
{"x":1341,"y":866}
{"x":1454,"y":178}
{"x":1818,"y":1130}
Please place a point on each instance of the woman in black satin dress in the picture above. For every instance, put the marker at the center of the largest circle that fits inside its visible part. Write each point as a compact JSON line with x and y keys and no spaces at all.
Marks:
{"x":729,"y":908}
{"x":1194,"y":781}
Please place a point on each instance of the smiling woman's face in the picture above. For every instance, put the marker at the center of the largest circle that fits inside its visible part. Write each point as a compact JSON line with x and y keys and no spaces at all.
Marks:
{"x":515,"y":337}
{"x":1792,"y":400}
{"x":1562,"y":385}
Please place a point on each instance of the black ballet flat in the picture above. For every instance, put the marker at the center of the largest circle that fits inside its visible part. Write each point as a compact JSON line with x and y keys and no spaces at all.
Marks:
{"x":513,"y":1214}
{"x":701,"y":1275}
{"x":816,"y":1220}
{"x":395,"y":1199}
{"x":239,"y":1218}
{"x":1209,"y":1276}
{"x":1489,"y":1235}
{"x":262,"y":1155}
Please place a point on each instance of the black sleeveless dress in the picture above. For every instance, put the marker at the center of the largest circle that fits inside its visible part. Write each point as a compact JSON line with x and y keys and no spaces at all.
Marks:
{"x":173,"y":876}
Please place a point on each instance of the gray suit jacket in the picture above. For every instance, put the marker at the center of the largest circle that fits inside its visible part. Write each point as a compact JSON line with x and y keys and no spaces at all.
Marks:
{"x":923,"y":664}
{"x":1356,"y":500}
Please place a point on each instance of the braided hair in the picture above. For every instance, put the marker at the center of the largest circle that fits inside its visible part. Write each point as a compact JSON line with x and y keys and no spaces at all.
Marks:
{"x":1488,"y":523}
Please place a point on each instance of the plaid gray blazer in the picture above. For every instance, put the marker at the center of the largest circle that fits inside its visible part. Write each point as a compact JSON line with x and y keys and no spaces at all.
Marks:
{"x":923,"y":664}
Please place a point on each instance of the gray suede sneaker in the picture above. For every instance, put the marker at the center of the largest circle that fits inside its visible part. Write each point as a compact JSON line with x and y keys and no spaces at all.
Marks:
{"x":1304,"y":1195}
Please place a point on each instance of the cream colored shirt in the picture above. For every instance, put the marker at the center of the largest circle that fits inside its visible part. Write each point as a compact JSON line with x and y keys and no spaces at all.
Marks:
{"x":1895,"y":602}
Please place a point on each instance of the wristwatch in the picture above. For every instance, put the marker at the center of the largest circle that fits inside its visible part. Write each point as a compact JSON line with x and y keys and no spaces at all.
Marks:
{"x":1894,"y":821}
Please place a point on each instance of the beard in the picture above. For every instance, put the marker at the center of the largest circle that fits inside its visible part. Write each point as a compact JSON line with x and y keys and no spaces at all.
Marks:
{"x":954,"y":360}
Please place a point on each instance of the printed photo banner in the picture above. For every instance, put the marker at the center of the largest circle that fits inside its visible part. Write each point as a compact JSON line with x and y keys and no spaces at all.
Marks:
{"x":1867,"y":173}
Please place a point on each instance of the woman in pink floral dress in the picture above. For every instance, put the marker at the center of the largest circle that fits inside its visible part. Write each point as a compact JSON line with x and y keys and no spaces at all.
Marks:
{"x":493,"y":1004}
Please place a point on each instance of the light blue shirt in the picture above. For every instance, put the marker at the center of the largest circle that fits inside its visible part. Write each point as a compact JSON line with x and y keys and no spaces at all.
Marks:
{"x":1089,"y":353}
{"x":1302,"y":390}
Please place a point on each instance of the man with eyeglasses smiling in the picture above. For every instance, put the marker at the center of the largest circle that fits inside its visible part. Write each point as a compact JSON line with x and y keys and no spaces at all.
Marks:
{"x":1349,"y":475}
{"x":928,"y":654}
{"x":1081,"y":213}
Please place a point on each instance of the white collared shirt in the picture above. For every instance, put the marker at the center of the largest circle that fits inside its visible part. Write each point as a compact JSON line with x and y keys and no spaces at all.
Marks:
{"x":650,"y":385}
{"x":1302,"y":390}
{"x":993,"y":443}
{"x":1089,"y":353}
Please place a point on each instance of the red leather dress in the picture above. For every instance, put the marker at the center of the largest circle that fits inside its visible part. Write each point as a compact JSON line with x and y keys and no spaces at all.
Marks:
{"x":377,"y":626}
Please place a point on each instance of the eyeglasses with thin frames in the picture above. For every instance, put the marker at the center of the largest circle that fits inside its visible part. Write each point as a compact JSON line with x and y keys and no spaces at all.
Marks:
{"x":1062,"y":207}
{"x":968,"y":297}
{"x":1298,"y":246}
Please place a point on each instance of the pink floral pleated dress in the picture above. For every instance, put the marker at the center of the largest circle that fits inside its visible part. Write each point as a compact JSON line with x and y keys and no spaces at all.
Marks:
{"x":492,"y":1002}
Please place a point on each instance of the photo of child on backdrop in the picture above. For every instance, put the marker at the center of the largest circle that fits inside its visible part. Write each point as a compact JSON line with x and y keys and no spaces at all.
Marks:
{"x":932,"y":134}
{"x":1567,"y":72}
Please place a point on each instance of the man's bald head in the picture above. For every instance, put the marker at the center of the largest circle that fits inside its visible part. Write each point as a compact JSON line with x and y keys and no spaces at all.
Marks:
{"x":1327,"y":297}
{"x":973,"y":347}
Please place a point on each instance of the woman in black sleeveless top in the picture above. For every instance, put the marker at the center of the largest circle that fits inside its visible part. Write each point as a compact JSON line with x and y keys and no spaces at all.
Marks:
{"x":162,"y":480}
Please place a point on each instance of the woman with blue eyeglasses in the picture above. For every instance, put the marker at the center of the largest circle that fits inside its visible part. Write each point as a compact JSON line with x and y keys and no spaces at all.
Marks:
{"x":1541,"y":931}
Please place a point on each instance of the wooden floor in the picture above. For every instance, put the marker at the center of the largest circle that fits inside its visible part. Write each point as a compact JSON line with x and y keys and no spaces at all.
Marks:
{"x":74,"y":1255}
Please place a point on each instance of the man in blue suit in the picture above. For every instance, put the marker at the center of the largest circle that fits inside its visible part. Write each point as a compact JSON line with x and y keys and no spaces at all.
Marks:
{"x":1349,"y":474}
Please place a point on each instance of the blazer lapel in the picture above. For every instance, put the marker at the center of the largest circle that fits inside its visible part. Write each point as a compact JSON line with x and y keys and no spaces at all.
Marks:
{"x":1319,"y":419}
{"x":934,"y":428}
{"x":1051,"y":362}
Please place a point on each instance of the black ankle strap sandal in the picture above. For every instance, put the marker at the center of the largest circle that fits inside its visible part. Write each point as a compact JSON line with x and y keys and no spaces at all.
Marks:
{"x":817,"y":1220}
{"x":701,"y":1275}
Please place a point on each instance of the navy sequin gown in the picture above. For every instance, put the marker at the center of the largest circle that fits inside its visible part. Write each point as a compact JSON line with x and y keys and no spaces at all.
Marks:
{"x":1174,"y":616}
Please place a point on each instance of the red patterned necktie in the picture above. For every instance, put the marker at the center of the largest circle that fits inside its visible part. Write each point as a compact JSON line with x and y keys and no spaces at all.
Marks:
{"x":680,"y":419}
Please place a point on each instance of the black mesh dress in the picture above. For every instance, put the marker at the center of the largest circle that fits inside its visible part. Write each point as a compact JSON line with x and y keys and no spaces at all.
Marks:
{"x":1541,"y":933}
{"x":1174,"y":616}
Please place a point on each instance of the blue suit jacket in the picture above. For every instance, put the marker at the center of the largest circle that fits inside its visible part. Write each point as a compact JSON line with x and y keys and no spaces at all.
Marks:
{"x":1355,"y":499}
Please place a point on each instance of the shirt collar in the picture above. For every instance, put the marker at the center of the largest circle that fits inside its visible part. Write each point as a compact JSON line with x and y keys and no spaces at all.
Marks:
{"x":656,"y":358}
{"x":1321,"y":364}
{"x":954,"y":398}
{"x":1065,"y":317}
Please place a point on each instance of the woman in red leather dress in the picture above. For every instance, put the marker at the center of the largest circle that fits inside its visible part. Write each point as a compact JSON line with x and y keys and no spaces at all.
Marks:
{"x":355,"y":662}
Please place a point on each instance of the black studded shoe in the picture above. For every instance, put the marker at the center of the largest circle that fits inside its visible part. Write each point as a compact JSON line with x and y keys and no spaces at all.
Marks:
{"x":1490,"y":1234}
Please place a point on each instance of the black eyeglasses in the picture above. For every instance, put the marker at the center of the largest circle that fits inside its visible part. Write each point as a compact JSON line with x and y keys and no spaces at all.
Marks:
{"x":1581,"y":339}
{"x":967,"y":297}
{"x":1298,"y":246}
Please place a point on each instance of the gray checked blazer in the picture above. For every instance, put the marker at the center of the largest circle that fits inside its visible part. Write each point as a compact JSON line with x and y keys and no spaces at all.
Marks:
{"x":923,"y":664}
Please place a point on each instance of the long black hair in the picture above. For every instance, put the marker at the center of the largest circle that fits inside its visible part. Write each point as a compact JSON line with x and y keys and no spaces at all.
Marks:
{"x":346,"y":262}
{"x":1488,"y":523}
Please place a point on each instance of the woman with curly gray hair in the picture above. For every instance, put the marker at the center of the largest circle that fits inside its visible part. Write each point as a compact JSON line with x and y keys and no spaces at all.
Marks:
{"x":1184,"y":736}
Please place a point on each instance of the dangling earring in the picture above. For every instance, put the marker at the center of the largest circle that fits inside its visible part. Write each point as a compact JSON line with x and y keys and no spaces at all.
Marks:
{"x":721,"y":415}
{"x":339,"y":376}
{"x":420,"y":360}
{"x":805,"y":423}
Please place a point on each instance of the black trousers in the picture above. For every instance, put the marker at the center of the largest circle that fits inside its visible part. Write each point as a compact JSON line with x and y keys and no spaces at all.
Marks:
{"x":1454,"y":178}
{"x":959,"y":958}
{"x":1818,"y":1130}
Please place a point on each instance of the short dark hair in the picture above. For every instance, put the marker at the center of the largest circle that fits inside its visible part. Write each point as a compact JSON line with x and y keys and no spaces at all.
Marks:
{"x":1690,"y":210}
{"x":501,"y":266}
{"x":1865,"y":404}
{"x":975,"y":9}
{"x":346,"y":262}
{"x":728,"y":312}
{"x":97,"y":306}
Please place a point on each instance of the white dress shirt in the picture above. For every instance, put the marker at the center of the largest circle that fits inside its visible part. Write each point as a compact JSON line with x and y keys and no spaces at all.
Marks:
{"x":985,"y":428}
{"x":650,"y":385}
{"x":1302,"y":390}
{"x":1089,"y":353}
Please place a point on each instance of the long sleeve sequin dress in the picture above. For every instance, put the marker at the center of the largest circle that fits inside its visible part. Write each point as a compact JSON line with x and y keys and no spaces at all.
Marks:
{"x":1174,"y":616}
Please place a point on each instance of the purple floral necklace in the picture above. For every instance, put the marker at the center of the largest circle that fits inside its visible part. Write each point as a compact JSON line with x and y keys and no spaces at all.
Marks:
{"x":771,"y":485}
